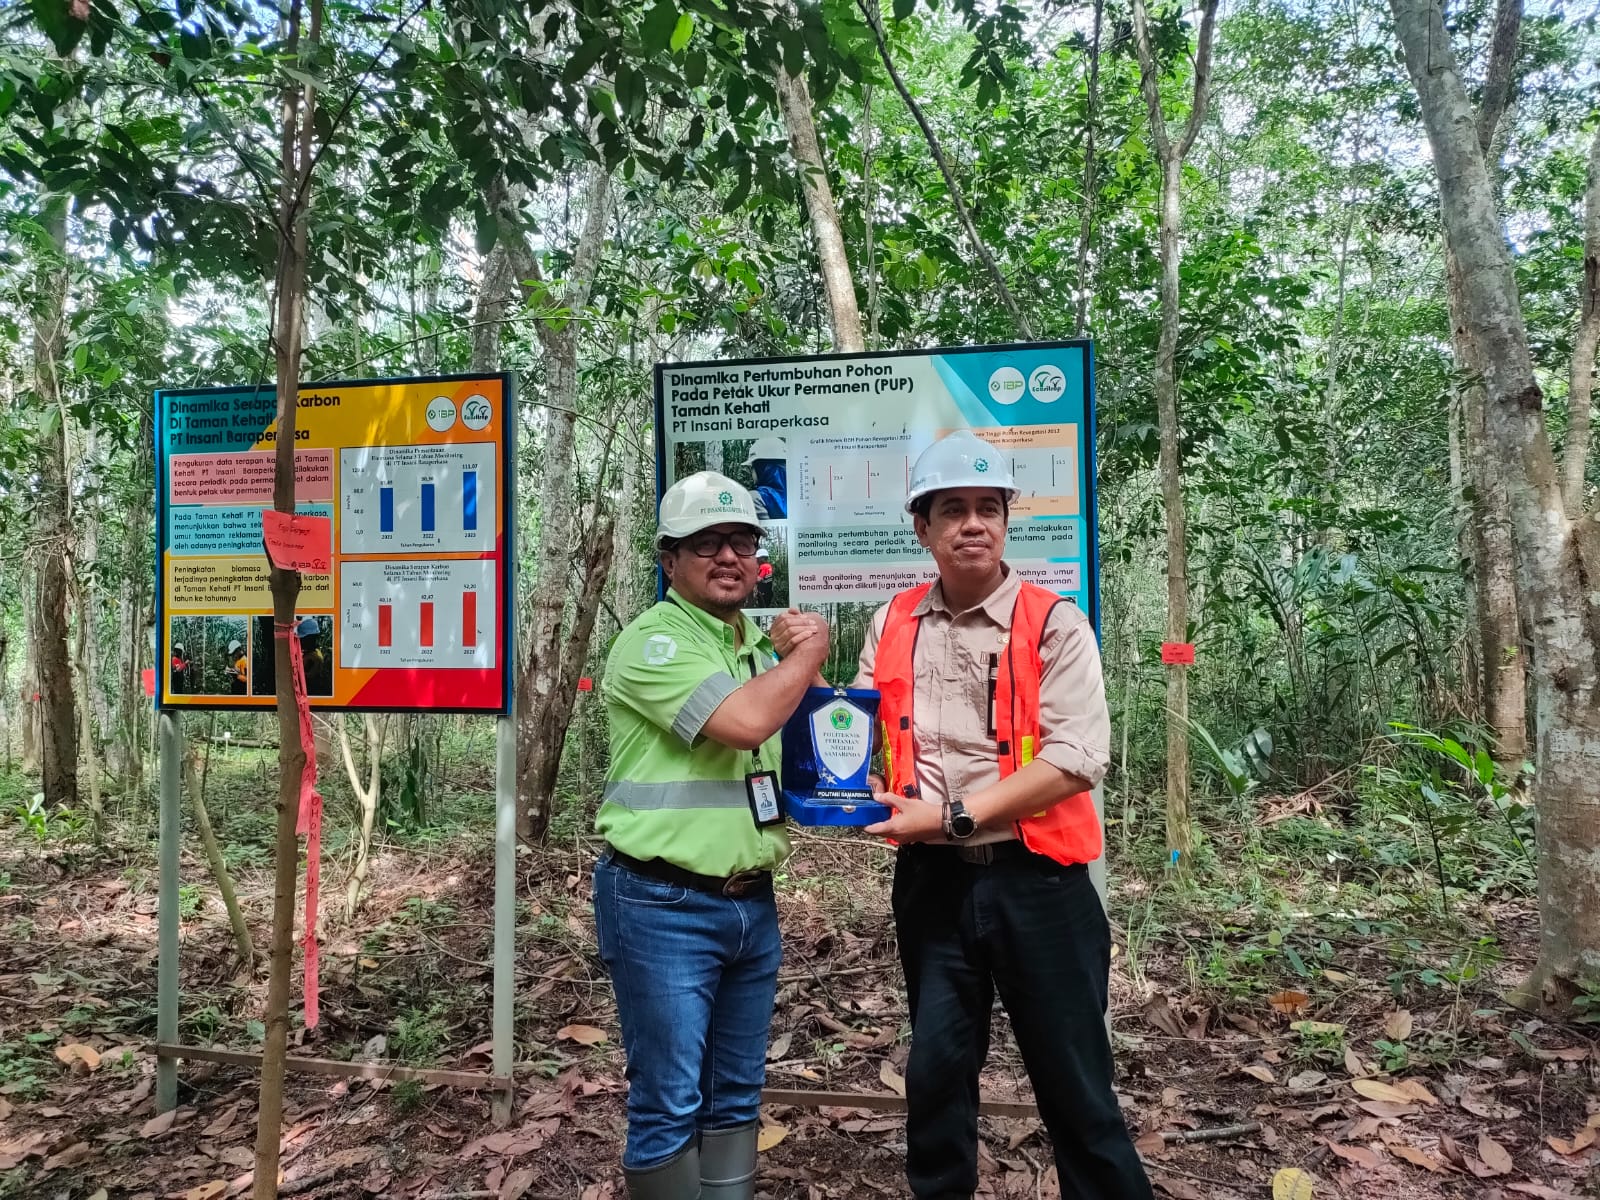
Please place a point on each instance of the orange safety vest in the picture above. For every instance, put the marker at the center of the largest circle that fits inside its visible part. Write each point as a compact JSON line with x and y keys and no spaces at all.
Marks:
{"x":1067,"y":830}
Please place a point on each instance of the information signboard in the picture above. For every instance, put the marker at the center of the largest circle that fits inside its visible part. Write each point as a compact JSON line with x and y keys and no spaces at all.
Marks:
{"x":827,"y":444}
{"x":413,"y":475}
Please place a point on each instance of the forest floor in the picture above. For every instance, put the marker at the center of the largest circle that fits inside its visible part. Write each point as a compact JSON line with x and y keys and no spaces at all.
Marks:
{"x":1356,"y":1031}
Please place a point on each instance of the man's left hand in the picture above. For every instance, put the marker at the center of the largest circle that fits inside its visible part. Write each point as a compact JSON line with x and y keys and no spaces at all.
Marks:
{"x":917,"y":822}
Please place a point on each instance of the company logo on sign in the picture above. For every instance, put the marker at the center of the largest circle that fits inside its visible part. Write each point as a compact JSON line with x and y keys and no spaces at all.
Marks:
{"x":1006,"y":385}
{"x":476,"y":411}
{"x":840,"y":718}
{"x":1047,"y":383}
{"x":441,"y":413}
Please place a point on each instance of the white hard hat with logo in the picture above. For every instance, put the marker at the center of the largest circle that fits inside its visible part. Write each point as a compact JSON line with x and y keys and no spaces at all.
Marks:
{"x":958,"y":460}
{"x":766,"y":447}
{"x":702,"y":500}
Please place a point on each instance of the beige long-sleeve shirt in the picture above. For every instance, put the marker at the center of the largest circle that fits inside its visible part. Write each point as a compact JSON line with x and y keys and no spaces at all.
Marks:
{"x":955,"y":751}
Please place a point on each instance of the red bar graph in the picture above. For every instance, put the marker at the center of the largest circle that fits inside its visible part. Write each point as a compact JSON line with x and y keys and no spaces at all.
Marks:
{"x":469,"y":618}
{"x":385,"y":625}
{"x":425,"y":635}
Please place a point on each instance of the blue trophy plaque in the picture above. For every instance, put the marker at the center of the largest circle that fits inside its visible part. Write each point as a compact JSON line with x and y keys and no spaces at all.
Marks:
{"x":827,"y":752}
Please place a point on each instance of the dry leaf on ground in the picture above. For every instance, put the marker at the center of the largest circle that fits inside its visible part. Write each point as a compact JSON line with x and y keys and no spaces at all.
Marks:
{"x":1376,"y":1089}
{"x":584,"y":1035}
{"x":1541,"y":1191}
{"x":76,"y":1052}
{"x":1352,"y":1063}
{"x":1417,"y":1090}
{"x":159,"y":1124}
{"x":770,"y":1136}
{"x":207,"y":1191}
{"x":1359,"y":1155}
{"x":779,"y":1047}
{"x":1397,"y":1025}
{"x":1150,"y":1143}
{"x":1495,"y":1156}
{"x":1259,"y":1071}
{"x":892,"y":1079}
{"x":1420,"y":1157}
{"x":518,"y":1182}
{"x":1581,"y":1141}
{"x":1292,"y":1183}
{"x":1289,"y":1001}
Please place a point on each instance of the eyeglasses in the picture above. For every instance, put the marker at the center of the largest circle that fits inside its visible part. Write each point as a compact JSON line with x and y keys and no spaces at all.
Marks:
{"x":709,"y":544}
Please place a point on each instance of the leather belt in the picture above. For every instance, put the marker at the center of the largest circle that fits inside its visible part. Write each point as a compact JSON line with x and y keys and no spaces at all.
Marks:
{"x":740,"y":883}
{"x":992,"y":852}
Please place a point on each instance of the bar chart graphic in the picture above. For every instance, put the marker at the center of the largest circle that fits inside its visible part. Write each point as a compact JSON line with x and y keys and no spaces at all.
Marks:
{"x":417,"y":614}
{"x":405,"y":499}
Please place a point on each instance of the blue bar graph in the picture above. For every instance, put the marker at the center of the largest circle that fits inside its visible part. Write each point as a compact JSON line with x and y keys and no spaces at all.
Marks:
{"x":386,"y":510}
{"x":469,"y":500}
{"x":427,"y":508}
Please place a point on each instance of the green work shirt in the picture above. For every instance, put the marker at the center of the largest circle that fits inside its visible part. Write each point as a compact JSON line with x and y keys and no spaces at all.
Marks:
{"x":671,"y":792}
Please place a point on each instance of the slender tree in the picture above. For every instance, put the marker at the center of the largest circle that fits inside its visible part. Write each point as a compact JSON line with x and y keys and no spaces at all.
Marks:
{"x":1170,"y":155}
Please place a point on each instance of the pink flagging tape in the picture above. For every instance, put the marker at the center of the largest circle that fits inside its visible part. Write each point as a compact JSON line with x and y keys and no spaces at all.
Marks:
{"x":309,"y":824}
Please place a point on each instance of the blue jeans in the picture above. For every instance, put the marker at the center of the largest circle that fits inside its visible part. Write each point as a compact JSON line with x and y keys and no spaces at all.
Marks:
{"x":695,"y":976}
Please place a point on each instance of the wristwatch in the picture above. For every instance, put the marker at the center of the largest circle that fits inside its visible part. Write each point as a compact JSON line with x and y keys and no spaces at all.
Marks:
{"x":958,"y":822}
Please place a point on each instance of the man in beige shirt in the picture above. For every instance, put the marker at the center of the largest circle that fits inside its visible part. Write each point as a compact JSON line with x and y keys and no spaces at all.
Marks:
{"x":994,"y":730}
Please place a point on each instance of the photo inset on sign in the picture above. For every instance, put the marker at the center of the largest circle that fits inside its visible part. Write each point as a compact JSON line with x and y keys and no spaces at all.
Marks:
{"x":760,"y":464}
{"x":772,"y":568}
{"x":314,"y":632}
{"x":208,"y":655}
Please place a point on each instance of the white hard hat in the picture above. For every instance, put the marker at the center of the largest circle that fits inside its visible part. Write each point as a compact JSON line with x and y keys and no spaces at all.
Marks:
{"x":766,"y":447}
{"x":761,"y":552}
{"x":961,"y":459}
{"x":235,"y":646}
{"x":702,"y":500}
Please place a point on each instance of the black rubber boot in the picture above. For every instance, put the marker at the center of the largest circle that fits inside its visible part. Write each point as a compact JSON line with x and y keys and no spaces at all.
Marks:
{"x":676,"y":1179}
{"x":728,"y":1162}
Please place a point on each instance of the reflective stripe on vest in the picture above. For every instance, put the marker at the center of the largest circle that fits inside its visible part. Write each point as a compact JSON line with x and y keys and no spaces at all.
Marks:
{"x":1068,"y":830}
{"x":691,"y":793}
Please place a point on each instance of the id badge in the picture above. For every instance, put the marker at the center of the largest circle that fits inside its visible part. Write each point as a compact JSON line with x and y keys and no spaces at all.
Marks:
{"x":766,"y":801}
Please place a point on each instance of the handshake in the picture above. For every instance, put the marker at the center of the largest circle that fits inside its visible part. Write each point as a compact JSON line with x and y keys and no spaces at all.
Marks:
{"x":795,"y":629}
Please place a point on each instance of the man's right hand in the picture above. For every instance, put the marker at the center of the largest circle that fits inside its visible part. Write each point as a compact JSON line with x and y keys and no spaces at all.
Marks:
{"x":794,"y":628}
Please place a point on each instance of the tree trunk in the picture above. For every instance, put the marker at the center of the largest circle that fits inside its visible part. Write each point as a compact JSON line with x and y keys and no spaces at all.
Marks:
{"x":544,"y":705}
{"x":295,"y":163}
{"x":1499,"y":623}
{"x":837,"y":281}
{"x":1580,"y":393}
{"x":1180,"y":838}
{"x":219,"y":866}
{"x":373,"y":729}
{"x":60,"y":718}
{"x":80,"y":666}
{"x":1170,"y":156}
{"x":494,"y":301}
{"x":1557,"y":558}
{"x":29,"y":706}
{"x":1086,"y":221}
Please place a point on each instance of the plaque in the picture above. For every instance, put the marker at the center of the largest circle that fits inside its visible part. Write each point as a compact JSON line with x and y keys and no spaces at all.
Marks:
{"x":827,"y":753}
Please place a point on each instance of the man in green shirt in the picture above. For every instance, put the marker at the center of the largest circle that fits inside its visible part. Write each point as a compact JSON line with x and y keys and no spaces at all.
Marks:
{"x":683,"y":900}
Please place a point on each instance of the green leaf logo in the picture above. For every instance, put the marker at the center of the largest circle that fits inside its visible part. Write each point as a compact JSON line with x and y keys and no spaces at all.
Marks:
{"x":725,"y":497}
{"x":841,"y":718}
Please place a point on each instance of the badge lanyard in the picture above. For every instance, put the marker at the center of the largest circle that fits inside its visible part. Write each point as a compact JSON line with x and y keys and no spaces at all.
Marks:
{"x":761,"y":787}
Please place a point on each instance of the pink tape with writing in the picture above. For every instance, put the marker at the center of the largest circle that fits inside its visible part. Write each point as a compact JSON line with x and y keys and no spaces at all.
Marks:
{"x":310,"y":824}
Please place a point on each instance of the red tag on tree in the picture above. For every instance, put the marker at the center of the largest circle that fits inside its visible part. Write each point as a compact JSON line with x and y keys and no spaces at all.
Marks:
{"x":1177,"y":652}
{"x":149,"y":674}
{"x":586,"y":684}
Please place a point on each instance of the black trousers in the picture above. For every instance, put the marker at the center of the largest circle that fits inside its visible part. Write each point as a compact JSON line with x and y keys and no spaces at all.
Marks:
{"x":1034,"y":930}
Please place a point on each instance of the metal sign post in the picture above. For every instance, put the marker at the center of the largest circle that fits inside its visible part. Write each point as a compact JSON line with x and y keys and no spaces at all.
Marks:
{"x":171,"y":770}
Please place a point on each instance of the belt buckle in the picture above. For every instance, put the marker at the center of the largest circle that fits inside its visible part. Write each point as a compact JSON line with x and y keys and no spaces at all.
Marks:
{"x":983,"y":855}
{"x":739,"y":883}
